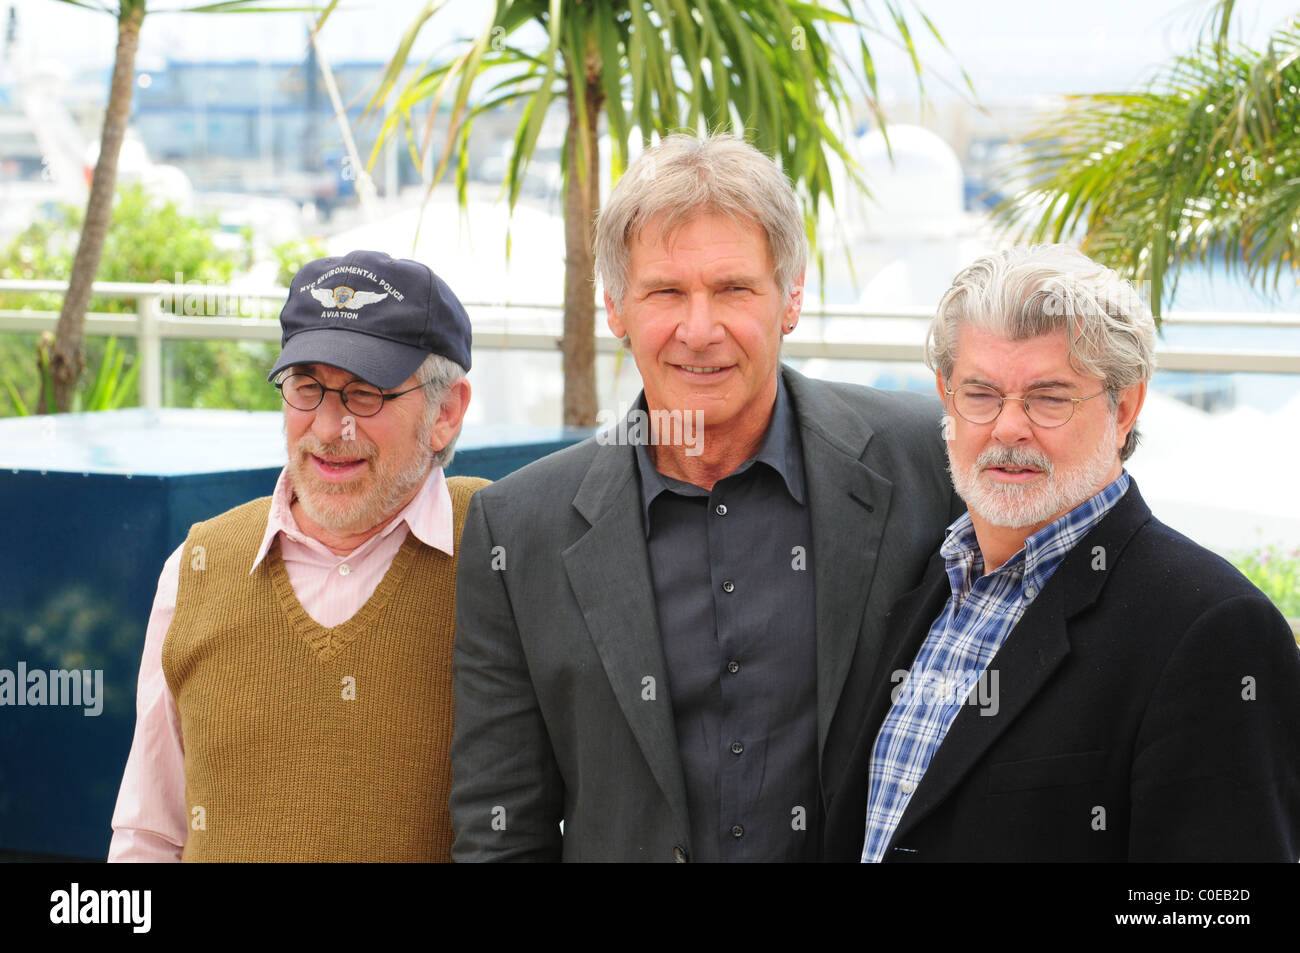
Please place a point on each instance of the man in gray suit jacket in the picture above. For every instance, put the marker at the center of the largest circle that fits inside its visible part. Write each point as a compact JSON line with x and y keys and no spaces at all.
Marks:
{"x":666,"y":635}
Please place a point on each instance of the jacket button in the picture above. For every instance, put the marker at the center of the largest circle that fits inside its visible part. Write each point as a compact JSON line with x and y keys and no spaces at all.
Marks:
{"x":679,"y":854}
{"x":737,"y":831}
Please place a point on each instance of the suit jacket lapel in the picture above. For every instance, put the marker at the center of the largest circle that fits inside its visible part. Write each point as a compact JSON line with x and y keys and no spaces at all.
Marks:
{"x":1022,"y":666}
{"x":609,"y":570}
{"x":847,"y":503}
{"x":1032,"y":652}
{"x":907,"y":625}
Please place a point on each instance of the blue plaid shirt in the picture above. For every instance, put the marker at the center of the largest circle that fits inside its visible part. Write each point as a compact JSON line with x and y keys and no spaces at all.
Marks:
{"x":950,"y":669}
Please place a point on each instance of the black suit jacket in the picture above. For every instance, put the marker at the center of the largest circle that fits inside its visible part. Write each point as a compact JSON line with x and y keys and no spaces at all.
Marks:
{"x":1148,"y":709}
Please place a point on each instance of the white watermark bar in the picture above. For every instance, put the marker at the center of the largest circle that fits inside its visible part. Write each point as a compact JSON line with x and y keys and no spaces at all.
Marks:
{"x":76,"y":905}
{"x":933,"y":688}
{"x":627,"y":426}
{"x":56,"y":687}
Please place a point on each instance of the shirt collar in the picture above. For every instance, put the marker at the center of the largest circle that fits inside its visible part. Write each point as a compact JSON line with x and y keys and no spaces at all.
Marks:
{"x":427,"y":516}
{"x":780,"y":450}
{"x":1035,"y":562}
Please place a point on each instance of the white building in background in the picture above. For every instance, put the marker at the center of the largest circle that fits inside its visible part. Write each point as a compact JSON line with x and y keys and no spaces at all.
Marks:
{"x":911,"y":234}
{"x":894,"y":249}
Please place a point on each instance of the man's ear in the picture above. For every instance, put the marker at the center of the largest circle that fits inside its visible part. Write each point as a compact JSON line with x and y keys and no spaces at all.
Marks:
{"x":794,"y":307}
{"x":613,"y":318}
{"x":1130,"y":404}
{"x":941,"y":388}
{"x":451,"y":414}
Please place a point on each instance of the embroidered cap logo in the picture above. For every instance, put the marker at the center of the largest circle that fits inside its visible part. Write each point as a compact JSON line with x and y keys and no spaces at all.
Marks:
{"x":345,"y":297}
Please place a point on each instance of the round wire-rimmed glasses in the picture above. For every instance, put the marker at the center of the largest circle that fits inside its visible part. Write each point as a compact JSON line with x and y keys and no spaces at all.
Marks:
{"x":304,"y":392}
{"x":982,"y":405}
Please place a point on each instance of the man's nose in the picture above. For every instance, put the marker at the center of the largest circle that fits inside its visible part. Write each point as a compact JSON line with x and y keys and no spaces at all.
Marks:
{"x":331,"y":419}
{"x":1013,"y":424}
{"x":699,"y":327}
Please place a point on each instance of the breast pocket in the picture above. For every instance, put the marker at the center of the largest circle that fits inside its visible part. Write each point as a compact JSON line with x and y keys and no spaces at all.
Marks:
{"x":1053,"y":771}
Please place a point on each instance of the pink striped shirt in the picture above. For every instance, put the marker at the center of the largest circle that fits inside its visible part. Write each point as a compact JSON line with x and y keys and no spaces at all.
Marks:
{"x":150,"y":822}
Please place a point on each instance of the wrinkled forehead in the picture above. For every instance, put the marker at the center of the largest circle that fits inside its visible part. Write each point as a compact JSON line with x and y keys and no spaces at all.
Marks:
{"x":1075,"y":343}
{"x":991,"y":357}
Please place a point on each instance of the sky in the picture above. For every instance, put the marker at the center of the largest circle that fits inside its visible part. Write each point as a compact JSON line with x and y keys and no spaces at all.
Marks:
{"x":1010,"y":48}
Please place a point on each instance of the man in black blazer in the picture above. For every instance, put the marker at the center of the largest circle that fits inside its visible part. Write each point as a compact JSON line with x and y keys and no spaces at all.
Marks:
{"x":1073,"y":680}
{"x":664,"y":634}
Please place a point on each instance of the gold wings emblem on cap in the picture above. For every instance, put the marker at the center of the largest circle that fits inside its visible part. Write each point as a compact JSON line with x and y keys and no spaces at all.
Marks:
{"x":345,"y":297}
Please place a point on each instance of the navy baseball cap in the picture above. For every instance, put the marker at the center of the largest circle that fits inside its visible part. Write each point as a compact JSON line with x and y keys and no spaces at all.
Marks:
{"x":371,"y":315}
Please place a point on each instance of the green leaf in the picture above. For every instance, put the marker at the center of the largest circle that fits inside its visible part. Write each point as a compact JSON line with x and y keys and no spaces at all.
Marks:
{"x":398,"y":62}
{"x":92,"y":6}
{"x":610,"y":41}
{"x":1186,"y":167}
{"x":325,"y":15}
{"x":20,"y":408}
{"x":245,"y":6}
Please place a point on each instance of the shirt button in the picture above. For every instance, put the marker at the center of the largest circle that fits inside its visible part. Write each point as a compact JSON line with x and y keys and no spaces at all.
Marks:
{"x":721,"y":509}
{"x":1030,"y":592}
{"x":737,"y":748}
{"x":907,"y":787}
{"x":728,"y":586}
{"x":733,"y":667}
{"x":344,"y":569}
{"x":737,"y":831}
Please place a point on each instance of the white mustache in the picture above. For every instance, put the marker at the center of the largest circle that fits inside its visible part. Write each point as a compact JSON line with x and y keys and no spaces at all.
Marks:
{"x":1013,"y":457}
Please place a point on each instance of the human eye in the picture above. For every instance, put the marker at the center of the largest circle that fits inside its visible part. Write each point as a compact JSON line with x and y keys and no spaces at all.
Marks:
{"x":1049,"y":401}
{"x":1050,"y":409}
{"x":303,"y":386}
{"x":363,"y":397}
{"x":737,"y":286}
{"x":980,"y":394}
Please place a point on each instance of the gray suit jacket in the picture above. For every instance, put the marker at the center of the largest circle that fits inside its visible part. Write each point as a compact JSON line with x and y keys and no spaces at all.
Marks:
{"x":562,"y":707}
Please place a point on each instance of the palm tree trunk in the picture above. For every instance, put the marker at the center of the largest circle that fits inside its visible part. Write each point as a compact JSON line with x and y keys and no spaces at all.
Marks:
{"x":581,"y":202}
{"x":67,"y":359}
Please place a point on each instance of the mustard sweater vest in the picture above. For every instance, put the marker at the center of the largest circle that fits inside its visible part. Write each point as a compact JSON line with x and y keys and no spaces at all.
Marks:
{"x":304,"y":743}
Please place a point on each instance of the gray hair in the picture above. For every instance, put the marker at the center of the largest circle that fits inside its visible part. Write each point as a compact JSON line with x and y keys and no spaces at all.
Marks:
{"x":438,"y":373}
{"x":1022,"y":292}
{"x":684,"y":176}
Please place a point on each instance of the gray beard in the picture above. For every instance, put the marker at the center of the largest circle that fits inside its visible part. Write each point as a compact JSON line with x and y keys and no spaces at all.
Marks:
{"x":325,"y":503}
{"x":1019,"y":505}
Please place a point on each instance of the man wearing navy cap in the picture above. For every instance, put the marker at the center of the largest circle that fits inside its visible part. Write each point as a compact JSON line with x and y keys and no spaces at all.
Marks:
{"x":295,"y":690}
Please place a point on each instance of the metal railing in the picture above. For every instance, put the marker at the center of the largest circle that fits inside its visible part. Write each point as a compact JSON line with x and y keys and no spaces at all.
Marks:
{"x":172,"y":311}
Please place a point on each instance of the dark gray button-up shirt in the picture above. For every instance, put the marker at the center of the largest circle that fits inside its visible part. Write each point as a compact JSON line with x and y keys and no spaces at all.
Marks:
{"x":733,"y":585}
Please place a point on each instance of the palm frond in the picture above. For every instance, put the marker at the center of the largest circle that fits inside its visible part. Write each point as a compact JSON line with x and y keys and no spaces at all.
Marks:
{"x":1203,"y":163}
